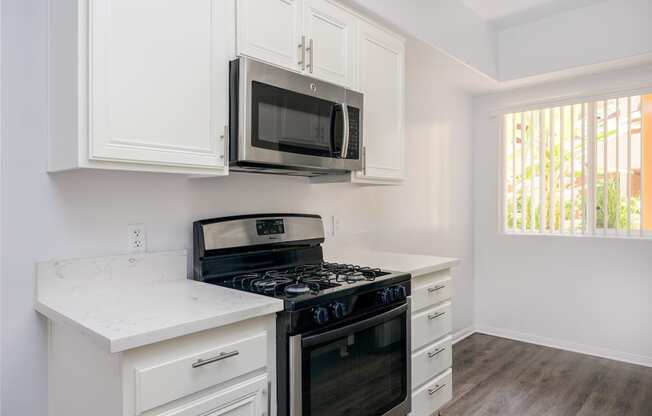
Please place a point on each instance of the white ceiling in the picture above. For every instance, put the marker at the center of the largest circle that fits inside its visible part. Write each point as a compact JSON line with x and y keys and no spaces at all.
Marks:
{"x":504,"y":13}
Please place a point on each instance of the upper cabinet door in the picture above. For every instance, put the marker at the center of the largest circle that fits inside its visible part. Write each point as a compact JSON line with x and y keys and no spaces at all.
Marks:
{"x":269,"y":30}
{"x":158,"y":87}
{"x":330,"y":42}
{"x":382,"y":81}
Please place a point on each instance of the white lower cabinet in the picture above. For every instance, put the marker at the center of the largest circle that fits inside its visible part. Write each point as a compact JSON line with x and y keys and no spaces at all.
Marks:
{"x":227,"y":371}
{"x":432,"y":355}
{"x":428,"y":399}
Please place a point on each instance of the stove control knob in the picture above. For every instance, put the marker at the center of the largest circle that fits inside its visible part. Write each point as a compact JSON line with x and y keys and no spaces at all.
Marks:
{"x":386,"y":296}
{"x":321,"y":315}
{"x":400,"y":292}
{"x":339,"y":309}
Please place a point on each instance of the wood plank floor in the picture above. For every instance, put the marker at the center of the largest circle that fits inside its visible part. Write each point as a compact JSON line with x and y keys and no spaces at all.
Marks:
{"x":497,"y":376}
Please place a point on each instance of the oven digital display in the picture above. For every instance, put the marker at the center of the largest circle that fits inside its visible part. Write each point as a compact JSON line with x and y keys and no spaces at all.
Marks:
{"x":270,"y":227}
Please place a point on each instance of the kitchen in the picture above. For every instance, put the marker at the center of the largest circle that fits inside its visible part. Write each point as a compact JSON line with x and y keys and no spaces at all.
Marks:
{"x":70,"y":191}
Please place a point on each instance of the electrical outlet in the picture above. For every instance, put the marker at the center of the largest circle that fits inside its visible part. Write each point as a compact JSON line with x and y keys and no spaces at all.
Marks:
{"x":335,"y":225}
{"x":137,"y":238}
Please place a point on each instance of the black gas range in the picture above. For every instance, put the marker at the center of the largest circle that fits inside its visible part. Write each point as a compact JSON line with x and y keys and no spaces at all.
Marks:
{"x":343,"y":339}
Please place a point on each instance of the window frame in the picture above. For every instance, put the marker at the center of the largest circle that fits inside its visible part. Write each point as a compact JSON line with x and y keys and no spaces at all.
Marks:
{"x":535,"y":105}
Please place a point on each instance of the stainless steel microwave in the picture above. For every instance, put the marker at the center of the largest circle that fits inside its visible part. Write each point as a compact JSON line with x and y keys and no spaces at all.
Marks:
{"x":286,"y":123}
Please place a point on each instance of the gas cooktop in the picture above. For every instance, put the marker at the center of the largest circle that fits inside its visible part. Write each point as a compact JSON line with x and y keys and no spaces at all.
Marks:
{"x":303,"y":280}
{"x":280,"y":255}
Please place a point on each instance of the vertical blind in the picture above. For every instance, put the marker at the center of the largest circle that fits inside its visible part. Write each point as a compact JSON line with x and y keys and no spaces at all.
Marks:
{"x":579,"y":168}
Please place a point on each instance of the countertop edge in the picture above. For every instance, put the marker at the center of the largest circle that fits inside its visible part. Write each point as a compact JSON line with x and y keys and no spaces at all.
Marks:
{"x":420,"y":271}
{"x":165,"y":334}
{"x":117,"y":345}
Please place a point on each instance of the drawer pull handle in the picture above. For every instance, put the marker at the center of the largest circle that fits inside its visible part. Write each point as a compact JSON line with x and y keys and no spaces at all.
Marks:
{"x":435,"y":289}
{"x":222,"y":356}
{"x":436,"y":315}
{"x":436,"y":389}
{"x":436,"y":352}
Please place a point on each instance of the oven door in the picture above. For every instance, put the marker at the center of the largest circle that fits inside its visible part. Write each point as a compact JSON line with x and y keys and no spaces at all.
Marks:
{"x":361,"y":369}
{"x":287,"y":119}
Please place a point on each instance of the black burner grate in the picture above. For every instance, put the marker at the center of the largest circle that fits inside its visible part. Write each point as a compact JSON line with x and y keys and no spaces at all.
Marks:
{"x":299,"y":280}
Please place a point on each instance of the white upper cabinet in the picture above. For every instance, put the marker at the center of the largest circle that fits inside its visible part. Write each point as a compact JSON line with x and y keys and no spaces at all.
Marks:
{"x":270,"y":30}
{"x":381,"y":78}
{"x":156,"y":95}
{"x":330,"y":33}
{"x":314,"y":37}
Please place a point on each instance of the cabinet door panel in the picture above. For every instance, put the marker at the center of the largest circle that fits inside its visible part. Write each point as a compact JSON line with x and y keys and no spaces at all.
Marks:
{"x":249,"y":398}
{"x":158,"y":80}
{"x":332,"y":31}
{"x":381,"y":79}
{"x":269,"y":30}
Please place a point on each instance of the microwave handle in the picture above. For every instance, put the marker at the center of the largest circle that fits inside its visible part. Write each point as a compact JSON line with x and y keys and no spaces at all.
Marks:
{"x":345,"y":130}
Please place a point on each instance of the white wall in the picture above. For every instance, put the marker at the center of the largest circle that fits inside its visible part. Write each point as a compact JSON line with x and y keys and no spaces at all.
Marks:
{"x":448,"y":25}
{"x":432,"y":213}
{"x":86,"y":213}
{"x":602,"y":32}
{"x":588,"y":294}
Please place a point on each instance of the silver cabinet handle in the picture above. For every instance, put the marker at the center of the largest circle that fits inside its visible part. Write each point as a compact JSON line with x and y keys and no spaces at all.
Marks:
{"x":364,"y":160}
{"x":436,"y":315}
{"x":302,"y":51}
{"x":435,"y":289}
{"x":311,"y":50}
{"x":345,"y":133}
{"x":436,"y":389}
{"x":225,"y":138}
{"x":220,"y":357}
{"x":436,"y":352}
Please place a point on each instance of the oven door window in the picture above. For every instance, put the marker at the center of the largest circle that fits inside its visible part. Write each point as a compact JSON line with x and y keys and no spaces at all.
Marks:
{"x":362,"y":373}
{"x":296,"y":123}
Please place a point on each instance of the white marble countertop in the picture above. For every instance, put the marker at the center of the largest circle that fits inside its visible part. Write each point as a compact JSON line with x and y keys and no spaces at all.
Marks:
{"x":414,"y":264}
{"x":124,"y":302}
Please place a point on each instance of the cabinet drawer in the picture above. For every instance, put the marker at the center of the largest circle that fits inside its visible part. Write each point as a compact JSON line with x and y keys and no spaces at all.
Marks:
{"x":430,"y":325}
{"x":431,"y":361}
{"x":431,"y":293}
{"x":172,"y":380}
{"x":433,"y":396}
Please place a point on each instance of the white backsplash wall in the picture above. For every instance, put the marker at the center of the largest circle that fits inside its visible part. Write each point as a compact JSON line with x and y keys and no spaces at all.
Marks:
{"x":79,"y":214}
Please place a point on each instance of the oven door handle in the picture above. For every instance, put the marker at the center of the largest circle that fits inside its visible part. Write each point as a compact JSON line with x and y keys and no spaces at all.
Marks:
{"x":345,"y":130}
{"x":355,"y":327}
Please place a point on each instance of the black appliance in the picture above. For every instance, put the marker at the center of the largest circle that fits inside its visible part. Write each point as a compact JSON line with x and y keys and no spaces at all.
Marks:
{"x":343,"y":340}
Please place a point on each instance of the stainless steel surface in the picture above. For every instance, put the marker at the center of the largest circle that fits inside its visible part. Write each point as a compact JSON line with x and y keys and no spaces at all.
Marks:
{"x":435,"y":289}
{"x":364,"y":160}
{"x":436,"y":389}
{"x":243,"y":232}
{"x":295,"y":376}
{"x":302,"y":49}
{"x":220,"y":357}
{"x":436,"y":315}
{"x":250,"y":71}
{"x":346,"y":133}
{"x":311,"y":50}
{"x":296,"y":342}
{"x":436,"y":352}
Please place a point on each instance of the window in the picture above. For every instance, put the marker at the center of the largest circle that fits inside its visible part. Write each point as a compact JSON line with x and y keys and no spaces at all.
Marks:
{"x":583,"y":169}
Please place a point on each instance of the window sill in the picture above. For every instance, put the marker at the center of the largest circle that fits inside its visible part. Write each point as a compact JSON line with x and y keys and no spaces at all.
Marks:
{"x":647,"y":236}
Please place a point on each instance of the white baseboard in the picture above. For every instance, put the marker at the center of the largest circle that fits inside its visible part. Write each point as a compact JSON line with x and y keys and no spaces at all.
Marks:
{"x":565,"y":345}
{"x":463,"y":333}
